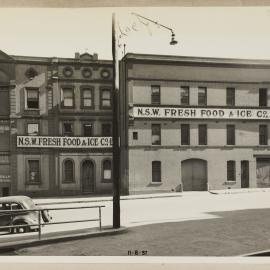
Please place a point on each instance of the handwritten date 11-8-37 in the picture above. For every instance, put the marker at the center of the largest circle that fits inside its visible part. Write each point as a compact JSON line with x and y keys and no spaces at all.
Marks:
{"x":136,"y":252}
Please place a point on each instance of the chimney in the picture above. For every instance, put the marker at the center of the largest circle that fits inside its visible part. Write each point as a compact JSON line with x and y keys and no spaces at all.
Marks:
{"x":95,"y":56}
{"x":77,"y":55}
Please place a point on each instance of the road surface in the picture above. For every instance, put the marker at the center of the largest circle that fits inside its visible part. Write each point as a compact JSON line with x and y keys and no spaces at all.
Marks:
{"x":138,"y":212}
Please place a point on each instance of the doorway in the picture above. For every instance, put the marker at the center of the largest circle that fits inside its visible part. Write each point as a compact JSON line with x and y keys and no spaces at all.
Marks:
{"x":88,"y":176}
{"x":194,"y":175}
{"x":263,"y":172}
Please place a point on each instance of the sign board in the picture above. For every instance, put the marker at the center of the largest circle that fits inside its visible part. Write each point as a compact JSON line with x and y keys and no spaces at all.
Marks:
{"x":4,"y":178}
{"x":63,"y":142}
{"x":200,"y":113}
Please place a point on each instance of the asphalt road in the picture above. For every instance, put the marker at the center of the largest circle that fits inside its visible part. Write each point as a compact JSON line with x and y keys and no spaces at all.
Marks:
{"x":172,"y":211}
{"x":231,"y":234}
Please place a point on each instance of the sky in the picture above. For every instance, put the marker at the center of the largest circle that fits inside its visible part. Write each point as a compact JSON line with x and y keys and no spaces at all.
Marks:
{"x":230,"y":32}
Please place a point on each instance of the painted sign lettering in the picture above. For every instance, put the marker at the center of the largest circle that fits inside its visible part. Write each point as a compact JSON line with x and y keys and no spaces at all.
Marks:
{"x":63,"y":142}
{"x":200,"y":113}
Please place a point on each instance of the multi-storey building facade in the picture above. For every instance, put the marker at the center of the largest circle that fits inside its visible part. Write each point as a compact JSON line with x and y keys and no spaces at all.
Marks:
{"x":58,"y":115}
{"x":194,"y":123}
{"x":7,"y":76}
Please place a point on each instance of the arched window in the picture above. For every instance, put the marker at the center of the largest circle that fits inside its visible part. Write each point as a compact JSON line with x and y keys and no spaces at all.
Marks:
{"x":107,"y":170}
{"x":68,"y":171}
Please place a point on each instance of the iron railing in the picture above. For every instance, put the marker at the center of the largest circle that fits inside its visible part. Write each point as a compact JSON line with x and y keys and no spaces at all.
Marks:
{"x":40,"y":224}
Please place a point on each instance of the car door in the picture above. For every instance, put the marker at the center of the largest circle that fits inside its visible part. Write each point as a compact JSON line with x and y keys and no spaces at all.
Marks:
{"x":5,"y":216}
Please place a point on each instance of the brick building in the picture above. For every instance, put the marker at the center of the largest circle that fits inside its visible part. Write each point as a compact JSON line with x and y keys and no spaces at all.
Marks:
{"x":7,"y":76}
{"x":191,"y":123}
{"x":57,"y":114}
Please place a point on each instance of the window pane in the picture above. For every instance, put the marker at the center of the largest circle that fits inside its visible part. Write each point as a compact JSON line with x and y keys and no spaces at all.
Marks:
{"x":263,"y":135}
{"x":87,"y":93}
{"x":230,"y":134}
{"x":156,"y":138}
{"x":32,"y":94}
{"x":185,"y":134}
{"x":231,"y":170}
{"x":32,"y":129}
{"x":87,"y":98}
{"x":184,"y":95}
{"x":87,"y":102}
{"x":263,"y":97}
{"x":202,"y":96}
{"x":106,"y":98}
{"x":155,"y":94}
{"x":156,"y":171}
{"x":230,"y":96}
{"x":87,"y":129}
{"x":106,"y":94}
{"x":106,"y":103}
{"x":32,"y":99}
{"x":68,"y":93}
{"x":202,"y":135}
{"x":68,"y":97}
{"x":67,"y":128}
{"x":106,"y":130}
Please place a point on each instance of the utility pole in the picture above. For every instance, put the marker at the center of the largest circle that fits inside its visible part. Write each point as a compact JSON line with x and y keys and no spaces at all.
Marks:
{"x":116,"y":137}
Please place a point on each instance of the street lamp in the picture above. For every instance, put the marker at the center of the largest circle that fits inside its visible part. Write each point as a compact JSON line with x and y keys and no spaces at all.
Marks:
{"x":173,"y":41}
{"x":115,"y":103}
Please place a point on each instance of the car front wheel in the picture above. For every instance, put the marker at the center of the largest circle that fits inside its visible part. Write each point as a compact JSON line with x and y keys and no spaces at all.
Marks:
{"x":22,"y":229}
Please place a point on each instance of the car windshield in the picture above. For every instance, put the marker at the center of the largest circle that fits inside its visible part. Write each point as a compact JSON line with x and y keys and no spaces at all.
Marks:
{"x":29,"y":203}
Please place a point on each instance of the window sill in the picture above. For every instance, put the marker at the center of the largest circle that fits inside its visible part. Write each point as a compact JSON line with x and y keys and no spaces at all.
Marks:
{"x":33,"y":183}
{"x":230,"y":182}
{"x":68,"y":182}
{"x":67,"y":108}
{"x":156,"y":183}
{"x":105,"y":108}
{"x":32,"y":111}
{"x":87,"y":108}
{"x":107,"y":181}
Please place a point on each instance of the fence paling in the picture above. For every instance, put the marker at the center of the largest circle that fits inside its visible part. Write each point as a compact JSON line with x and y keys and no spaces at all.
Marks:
{"x":39,"y":224}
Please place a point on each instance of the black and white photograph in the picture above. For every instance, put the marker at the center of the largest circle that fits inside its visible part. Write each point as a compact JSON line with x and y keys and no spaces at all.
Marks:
{"x":135,"y":132}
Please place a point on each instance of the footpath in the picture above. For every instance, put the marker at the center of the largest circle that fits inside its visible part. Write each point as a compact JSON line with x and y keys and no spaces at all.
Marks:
{"x":48,"y":201}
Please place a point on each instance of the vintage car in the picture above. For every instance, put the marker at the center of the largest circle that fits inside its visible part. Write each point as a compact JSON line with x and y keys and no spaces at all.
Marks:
{"x":11,"y":213}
